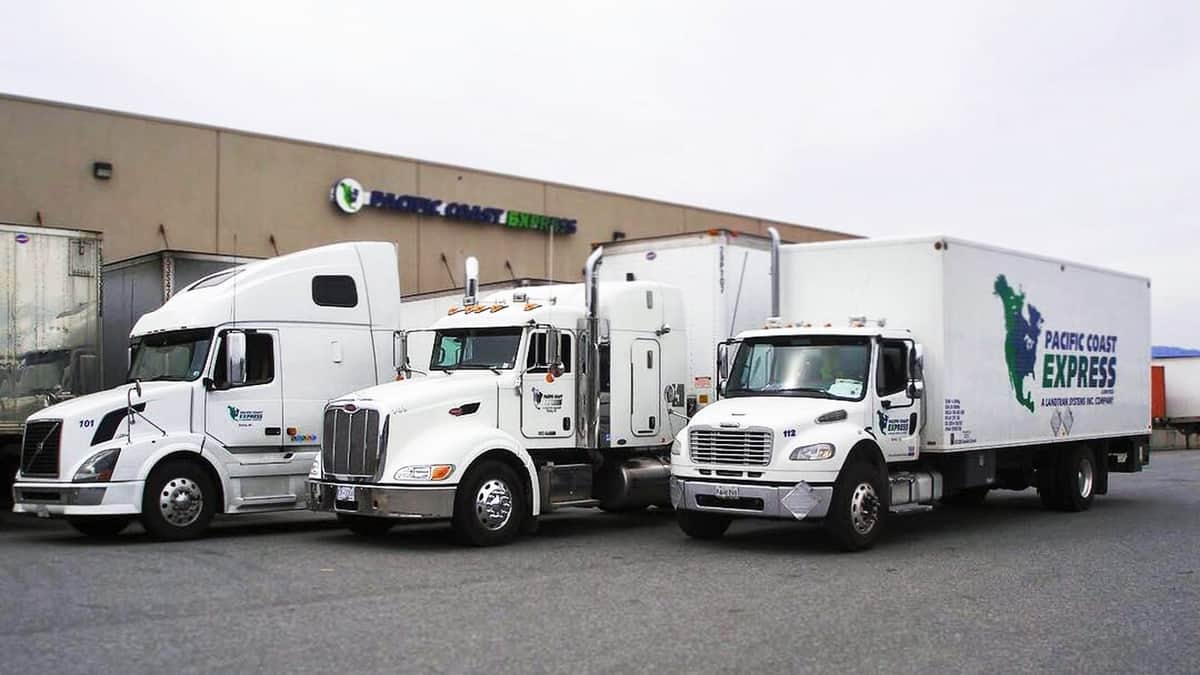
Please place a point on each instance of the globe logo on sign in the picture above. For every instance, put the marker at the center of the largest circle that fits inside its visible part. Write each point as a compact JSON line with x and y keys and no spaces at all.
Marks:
{"x":348,"y":194}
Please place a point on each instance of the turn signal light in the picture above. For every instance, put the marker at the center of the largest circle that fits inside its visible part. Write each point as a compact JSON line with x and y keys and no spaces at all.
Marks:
{"x":440,"y":471}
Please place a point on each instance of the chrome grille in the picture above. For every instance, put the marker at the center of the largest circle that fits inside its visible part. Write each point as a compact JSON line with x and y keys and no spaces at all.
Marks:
{"x":350,"y":446}
{"x":39,"y":448}
{"x":730,"y":446}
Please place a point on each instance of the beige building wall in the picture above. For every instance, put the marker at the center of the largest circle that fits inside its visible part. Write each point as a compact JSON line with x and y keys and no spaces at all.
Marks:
{"x":189,"y":187}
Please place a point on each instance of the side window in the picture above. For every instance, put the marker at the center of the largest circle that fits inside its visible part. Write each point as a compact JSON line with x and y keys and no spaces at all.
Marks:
{"x":537,"y":352}
{"x":260,"y":360}
{"x":334,"y":291}
{"x":890,"y":373}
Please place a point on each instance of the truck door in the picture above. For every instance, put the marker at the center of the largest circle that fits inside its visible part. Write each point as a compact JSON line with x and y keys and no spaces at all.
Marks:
{"x":248,"y":418}
{"x":647,"y":388}
{"x":548,"y":404}
{"x":897,"y":421}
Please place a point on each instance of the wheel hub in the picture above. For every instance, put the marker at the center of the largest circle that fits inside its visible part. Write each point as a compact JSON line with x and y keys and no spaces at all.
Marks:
{"x":1084,"y":478}
{"x":181,"y":502}
{"x":493,"y":504}
{"x":864,"y":508}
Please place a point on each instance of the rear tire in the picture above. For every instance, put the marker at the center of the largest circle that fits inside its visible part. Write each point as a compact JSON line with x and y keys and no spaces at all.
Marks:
{"x":1077,"y":479}
{"x":489,"y":505}
{"x":179,"y":501}
{"x":100,"y":527}
{"x":365,"y":526}
{"x":698,"y":525}
{"x":859,"y":507}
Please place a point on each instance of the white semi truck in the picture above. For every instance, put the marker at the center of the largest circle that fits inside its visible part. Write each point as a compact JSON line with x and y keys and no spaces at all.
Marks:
{"x":895,"y":374}
{"x":228,"y":382}
{"x":534,"y":399}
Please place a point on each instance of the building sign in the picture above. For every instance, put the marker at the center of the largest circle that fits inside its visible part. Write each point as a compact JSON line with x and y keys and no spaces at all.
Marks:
{"x":350,"y":196}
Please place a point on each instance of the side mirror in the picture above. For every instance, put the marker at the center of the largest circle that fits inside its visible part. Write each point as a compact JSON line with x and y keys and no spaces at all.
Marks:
{"x":235,"y":357}
{"x":553,"y":339}
{"x":916,"y":389}
{"x":916,"y":362}
{"x":400,"y":352}
{"x":722,"y":364}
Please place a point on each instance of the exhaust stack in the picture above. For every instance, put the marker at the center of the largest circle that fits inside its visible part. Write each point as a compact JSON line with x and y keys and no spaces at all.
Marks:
{"x":471,"y":284}
{"x":588,"y":400}
{"x":774,"y":271}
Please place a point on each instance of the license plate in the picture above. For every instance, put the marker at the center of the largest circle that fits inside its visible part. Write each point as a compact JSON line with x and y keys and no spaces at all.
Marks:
{"x":727,"y":492}
{"x":345,"y":493}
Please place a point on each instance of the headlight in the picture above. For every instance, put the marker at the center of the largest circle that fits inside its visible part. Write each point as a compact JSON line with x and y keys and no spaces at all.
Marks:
{"x":676,"y":447}
{"x":425,"y":472}
{"x":99,"y":467}
{"x":815,"y":451}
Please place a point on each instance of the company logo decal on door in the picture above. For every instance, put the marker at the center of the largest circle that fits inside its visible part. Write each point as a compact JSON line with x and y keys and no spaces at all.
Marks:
{"x":239,"y":415}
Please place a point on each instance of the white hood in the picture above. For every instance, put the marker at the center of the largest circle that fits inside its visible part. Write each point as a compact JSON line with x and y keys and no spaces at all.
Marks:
{"x":423,"y":391}
{"x":772,"y":412}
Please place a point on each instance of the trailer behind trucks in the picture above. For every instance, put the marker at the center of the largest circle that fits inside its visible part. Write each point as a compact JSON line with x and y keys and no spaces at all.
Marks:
{"x":727,"y":290}
{"x":1177,"y":380}
{"x":49,"y":328}
{"x":139,"y":285}
{"x":227,"y":385}
{"x":910,"y":371}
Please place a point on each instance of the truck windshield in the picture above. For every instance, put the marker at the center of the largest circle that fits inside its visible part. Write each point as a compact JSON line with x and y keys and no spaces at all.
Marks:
{"x":807,"y":366}
{"x":177,"y":355}
{"x":476,"y":348}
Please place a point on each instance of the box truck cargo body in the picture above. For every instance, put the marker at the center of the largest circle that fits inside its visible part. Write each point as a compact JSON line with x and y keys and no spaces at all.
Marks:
{"x":903,"y":372}
{"x":725,"y":279}
{"x":49,"y":327}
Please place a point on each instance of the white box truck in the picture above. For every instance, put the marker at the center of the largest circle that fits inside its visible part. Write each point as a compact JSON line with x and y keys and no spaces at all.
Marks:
{"x":49,"y":328}
{"x":904,"y":372}
{"x":534,"y":399}
{"x":228,"y":382}
{"x":727,"y":289}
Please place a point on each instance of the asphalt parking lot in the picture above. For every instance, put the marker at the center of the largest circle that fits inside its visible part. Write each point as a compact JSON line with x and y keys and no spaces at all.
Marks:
{"x":1002,"y":587}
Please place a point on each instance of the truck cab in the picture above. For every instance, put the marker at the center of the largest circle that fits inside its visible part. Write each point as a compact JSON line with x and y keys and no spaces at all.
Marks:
{"x":532,"y":399}
{"x":226,"y":388}
{"x":798,"y":405}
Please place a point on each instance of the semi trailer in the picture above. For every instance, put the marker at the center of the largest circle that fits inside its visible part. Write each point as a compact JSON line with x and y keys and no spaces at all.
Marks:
{"x":49,"y":328}
{"x":222,"y":411}
{"x":1176,"y":384}
{"x":895,"y":374}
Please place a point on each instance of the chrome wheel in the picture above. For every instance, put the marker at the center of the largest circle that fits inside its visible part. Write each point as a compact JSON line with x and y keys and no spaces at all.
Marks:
{"x":493,"y":504}
{"x":864,"y":508}
{"x":1084,"y":478}
{"x":181,"y":502}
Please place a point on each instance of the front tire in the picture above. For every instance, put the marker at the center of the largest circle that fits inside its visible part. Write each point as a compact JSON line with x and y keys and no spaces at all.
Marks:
{"x":100,"y":527}
{"x":859,"y":507}
{"x":489,"y":505}
{"x":179,"y":501}
{"x":699,"y":525}
{"x":365,"y":526}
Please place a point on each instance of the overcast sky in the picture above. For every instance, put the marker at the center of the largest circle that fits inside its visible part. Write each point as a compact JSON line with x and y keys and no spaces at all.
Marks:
{"x":1067,"y":128}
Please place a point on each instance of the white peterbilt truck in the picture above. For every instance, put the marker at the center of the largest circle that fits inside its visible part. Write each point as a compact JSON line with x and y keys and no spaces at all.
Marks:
{"x":897,"y":373}
{"x":227,"y":385}
{"x":534,"y":399}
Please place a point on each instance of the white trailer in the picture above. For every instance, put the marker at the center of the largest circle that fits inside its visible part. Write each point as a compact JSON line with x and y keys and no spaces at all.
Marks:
{"x":49,"y":328}
{"x":903,"y":372}
{"x":535,"y":399}
{"x":1181,"y":395}
{"x":727,"y":290}
{"x":227,"y":385}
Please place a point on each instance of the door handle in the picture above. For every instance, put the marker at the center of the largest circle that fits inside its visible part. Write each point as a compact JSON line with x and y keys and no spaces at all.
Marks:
{"x":272,"y":431}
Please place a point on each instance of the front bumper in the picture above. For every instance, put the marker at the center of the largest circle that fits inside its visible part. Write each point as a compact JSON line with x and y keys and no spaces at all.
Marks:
{"x":800,"y":501}
{"x":78,"y":499}
{"x":412,"y":503}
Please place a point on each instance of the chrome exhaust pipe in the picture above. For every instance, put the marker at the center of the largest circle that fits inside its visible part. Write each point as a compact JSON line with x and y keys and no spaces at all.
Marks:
{"x":471,"y":284}
{"x":774,"y":271}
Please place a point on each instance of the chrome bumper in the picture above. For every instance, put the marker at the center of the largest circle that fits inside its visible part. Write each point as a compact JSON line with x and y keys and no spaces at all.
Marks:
{"x":800,"y":501}
{"x":415,"y":503}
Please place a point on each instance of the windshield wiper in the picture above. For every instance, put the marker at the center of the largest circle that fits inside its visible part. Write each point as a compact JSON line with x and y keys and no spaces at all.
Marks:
{"x":810,"y":390}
